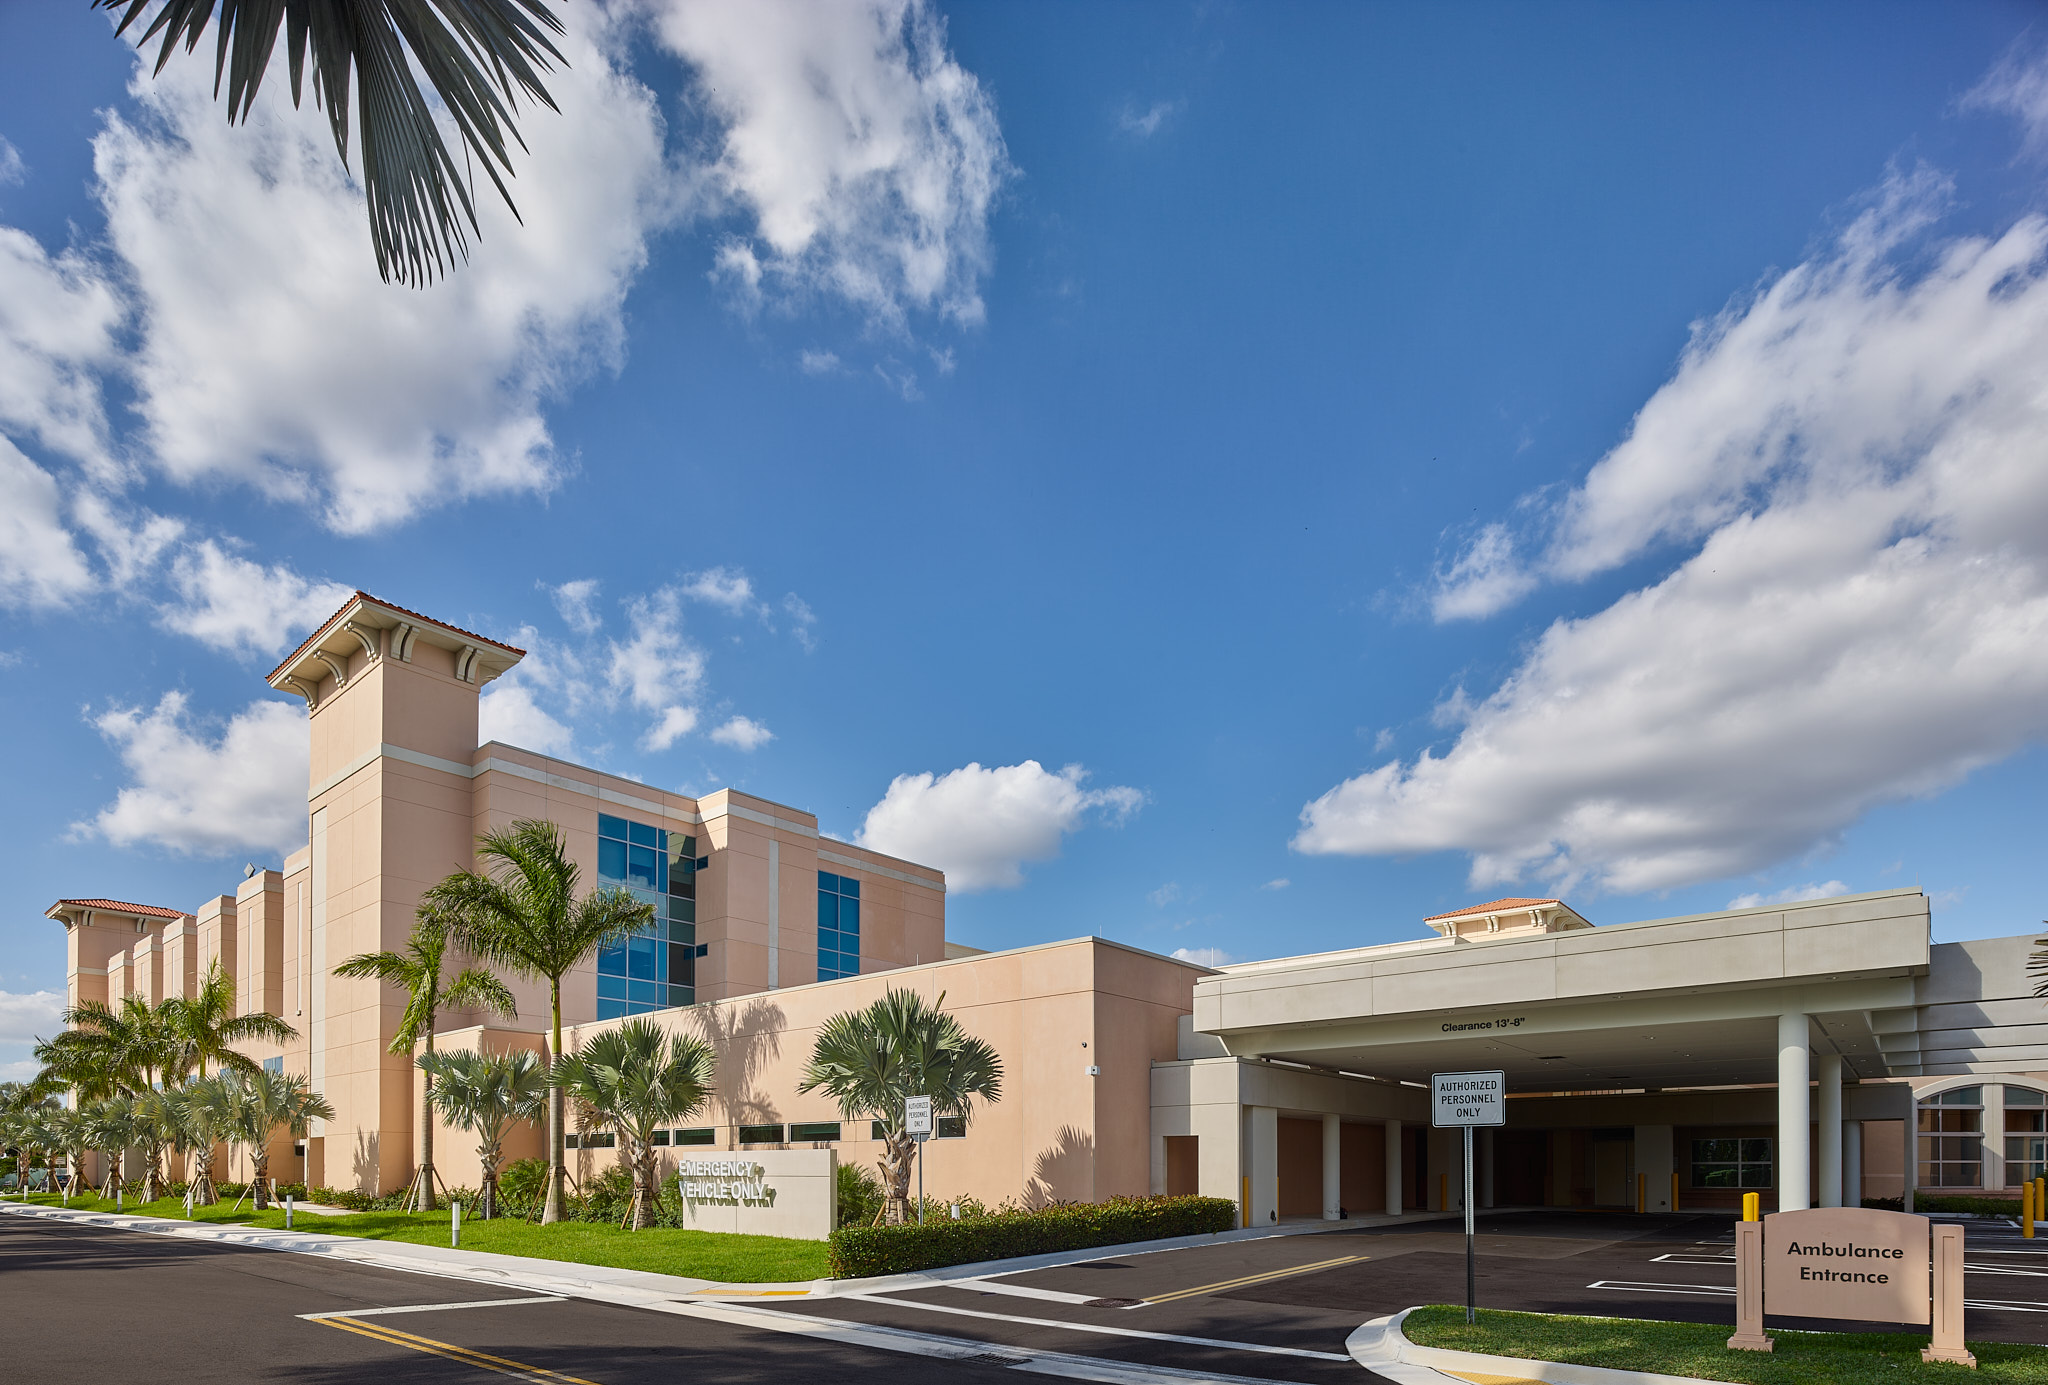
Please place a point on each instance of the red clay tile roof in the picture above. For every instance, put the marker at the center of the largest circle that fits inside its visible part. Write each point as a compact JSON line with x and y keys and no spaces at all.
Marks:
{"x":1492,"y":906}
{"x":361,"y":595}
{"x":146,"y":910}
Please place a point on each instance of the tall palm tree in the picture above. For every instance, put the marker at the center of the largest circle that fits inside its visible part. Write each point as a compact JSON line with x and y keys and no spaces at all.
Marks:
{"x":483,"y":1093}
{"x":524,"y":913}
{"x":204,"y":1028}
{"x":637,"y":1079}
{"x":476,"y":55}
{"x":418,"y":972}
{"x":129,"y":1044}
{"x":870,"y":1060}
{"x":255,"y":1106}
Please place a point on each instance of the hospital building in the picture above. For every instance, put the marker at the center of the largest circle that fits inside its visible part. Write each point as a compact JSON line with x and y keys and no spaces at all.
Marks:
{"x":1815,"y":1052}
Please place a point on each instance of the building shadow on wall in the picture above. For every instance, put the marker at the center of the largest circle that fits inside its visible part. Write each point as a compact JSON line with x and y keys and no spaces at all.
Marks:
{"x":744,"y":1039}
{"x":1063,"y":1172}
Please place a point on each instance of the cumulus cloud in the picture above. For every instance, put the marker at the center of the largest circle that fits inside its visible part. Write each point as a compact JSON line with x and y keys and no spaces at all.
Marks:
{"x":577,"y":603}
{"x":509,"y":713}
{"x":1483,"y":579}
{"x":40,"y":563}
{"x":201,"y":792}
{"x":1204,"y":956}
{"x":724,"y":587}
{"x":1850,"y":465}
{"x":865,"y":157}
{"x":1793,"y":894}
{"x":271,"y":353}
{"x":58,"y":316}
{"x":981,"y":826}
{"x":743,"y":733}
{"x":31,"y":1015}
{"x":243,"y":607}
{"x":675,"y":723}
{"x":657,"y":669}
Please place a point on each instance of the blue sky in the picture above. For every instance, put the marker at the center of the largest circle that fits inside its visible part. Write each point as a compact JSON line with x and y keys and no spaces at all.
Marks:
{"x":1280,"y":471}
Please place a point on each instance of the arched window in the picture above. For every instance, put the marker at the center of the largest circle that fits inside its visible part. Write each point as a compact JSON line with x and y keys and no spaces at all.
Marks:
{"x":1983,"y":1135}
{"x":2026,"y":1134}
{"x":1952,"y":1139}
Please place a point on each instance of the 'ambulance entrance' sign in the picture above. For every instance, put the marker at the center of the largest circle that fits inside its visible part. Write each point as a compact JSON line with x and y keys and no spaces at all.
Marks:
{"x":1846,"y":1262}
{"x":1468,"y":1099}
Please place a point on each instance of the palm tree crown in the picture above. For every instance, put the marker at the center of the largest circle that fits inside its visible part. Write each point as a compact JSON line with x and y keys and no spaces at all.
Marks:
{"x":483,"y":1093}
{"x":638,"y":1079}
{"x":255,"y":1106}
{"x":204,"y":1028}
{"x":524,"y":912}
{"x":476,"y":55}
{"x":870,"y":1060}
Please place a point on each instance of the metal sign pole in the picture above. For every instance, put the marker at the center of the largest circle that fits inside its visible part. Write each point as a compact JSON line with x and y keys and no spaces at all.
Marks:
{"x":920,"y":1182}
{"x":1471,"y":1278}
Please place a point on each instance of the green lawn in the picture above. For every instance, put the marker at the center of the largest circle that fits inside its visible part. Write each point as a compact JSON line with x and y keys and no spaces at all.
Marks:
{"x":1701,"y":1349}
{"x":695,"y":1254}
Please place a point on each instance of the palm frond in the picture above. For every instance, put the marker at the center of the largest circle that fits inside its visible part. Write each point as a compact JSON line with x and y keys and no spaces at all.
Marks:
{"x":477,"y":55}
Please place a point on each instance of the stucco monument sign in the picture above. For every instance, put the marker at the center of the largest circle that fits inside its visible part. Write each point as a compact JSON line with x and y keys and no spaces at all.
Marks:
{"x":1855,"y":1264}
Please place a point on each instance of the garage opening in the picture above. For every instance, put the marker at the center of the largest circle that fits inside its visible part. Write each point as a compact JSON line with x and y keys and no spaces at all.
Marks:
{"x":1183,"y":1165}
{"x":1301,"y":1167}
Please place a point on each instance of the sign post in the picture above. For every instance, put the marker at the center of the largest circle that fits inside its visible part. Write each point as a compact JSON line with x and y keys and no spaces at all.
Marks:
{"x":917,"y":1123}
{"x":1465,"y":1101}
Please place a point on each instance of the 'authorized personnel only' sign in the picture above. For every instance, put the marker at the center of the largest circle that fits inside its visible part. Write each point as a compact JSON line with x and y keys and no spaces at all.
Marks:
{"x":1468,"y":1099}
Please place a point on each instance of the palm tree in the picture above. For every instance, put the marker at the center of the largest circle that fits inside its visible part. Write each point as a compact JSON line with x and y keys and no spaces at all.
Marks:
{"x":112,"y":1128}
{"x":255,"y":1106}
{"x":525,"y":914}
{"x":483,"y":1093}
{"x":199,"y":1111}
{"x":70,"y":1136}
{"x":637,"y":1079}
{"x":156,"y":1125}
{"x":417,"y":971}
{"x":870,"y":1060}
{"x":204,"y":1028}
{"x":473,"y":53}
{"x":128,"y":1047}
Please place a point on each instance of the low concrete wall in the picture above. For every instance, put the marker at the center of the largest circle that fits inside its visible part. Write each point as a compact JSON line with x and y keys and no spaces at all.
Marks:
{"x":765,"y":1192}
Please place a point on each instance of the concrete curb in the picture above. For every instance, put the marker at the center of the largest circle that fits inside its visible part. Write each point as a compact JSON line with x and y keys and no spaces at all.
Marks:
{"x":1381,"y":1347}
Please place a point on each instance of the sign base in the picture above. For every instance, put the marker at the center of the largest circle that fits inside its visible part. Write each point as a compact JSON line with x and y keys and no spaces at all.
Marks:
{"x":1751,"y":1341}
{"x":1958,"y":1355}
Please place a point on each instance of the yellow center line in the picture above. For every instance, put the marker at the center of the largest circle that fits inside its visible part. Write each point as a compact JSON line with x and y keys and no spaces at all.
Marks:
{"x":497,"y":1364}
{"x":1251,"y":1279}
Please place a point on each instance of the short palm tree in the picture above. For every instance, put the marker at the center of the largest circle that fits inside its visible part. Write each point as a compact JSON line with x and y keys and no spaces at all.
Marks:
{"x":199,"y":1111}
{"x":483,"y":1093}
{"x":870,"y":1060}
{"x":418,"y":971}
{"x":204,"y":1029}
{"x":70,"y":1136}
{"x":156,"y":1127}
{"x":474,"y":53}
{"x":112,"y":1129}
{"x":638,"y":1079}
{"x":523,"y":912}
{"x":255,"y":1106}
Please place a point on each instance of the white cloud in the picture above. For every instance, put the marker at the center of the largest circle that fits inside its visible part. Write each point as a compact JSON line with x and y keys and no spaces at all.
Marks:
{"x":982,"y":826}
{"x":28,"y":1016}
{"x":202,"y":794}
{"x":1204,"y":956}
{"x":243,"y":607}
{"x":866,"y":157}
{"x":818,"y":362}
{"x":1792,"y":894}
{"x":1145,"y":124}
{"x":675,"y":723}
{"x":743,"y":733}
{"x":507,"y":712}
{"x":1280,"y":884}
{"x":2017,"y":86}
{"x":1165,"y":894}
{"x":20,"y":1070}
{"x":1485,"y":578}
{"x":577,"y":603}
{"x":658,"y":670}
{"x":12,"y":169}
{"x":58,"y":316}
{"x":1855,"y":459}
{"x":802,"y":619}
{"x":272,"y":354}
{"x":40,"y":565}
{"x":722,"y":586}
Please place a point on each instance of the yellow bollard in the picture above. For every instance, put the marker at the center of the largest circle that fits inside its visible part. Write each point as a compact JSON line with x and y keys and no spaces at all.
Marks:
{"x":2027,"y":1209}
{"x":1246,"y":1205}
{"x":1752,"y":1206}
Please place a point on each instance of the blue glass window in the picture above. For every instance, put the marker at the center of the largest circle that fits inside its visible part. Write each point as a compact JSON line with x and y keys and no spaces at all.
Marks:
{"x":656,"y":967}
{"x":838,"y":926}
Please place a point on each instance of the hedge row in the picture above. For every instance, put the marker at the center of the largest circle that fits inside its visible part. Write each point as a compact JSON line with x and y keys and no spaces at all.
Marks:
{"x":1922,"y":1202}
{"x":859,"y":1252}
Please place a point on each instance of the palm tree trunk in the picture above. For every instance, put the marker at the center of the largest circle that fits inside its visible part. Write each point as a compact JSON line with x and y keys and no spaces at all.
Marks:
{"x":425,"y":1201}
{"x":896,"y":1170}
{"x":259,"y":1163}
{"x":552,"y":1210}
{"x":643,"y":1185}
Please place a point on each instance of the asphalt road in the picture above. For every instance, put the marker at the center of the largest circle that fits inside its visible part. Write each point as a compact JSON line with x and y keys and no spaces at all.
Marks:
{"x":88,"y":1304}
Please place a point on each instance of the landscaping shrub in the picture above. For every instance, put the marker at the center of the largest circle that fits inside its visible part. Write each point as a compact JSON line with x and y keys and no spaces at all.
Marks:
{"x":860,"y":1195}
{"x":1983,"y":1206}
{"x":859,"y":1252}
{"x":522,"y":1187}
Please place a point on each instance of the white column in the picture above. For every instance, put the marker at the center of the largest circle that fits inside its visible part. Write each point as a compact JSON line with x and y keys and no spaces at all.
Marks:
{"x":1393,"y":1168}
{"x":1333,"y":1166}
{"x":1829,"y":1117}
{"x":1991,"y":1149}
{"x":1262,"y":1136}
{"x":1912,"y":1127}
{"x":1486,"y":1138}
{"x":1852,"y":1163}
{"x":1795,"y":1157}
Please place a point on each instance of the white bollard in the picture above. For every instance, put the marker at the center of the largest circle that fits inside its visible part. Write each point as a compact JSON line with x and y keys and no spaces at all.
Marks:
{"x":287,"y":1211}
{"x":455,"y":1225}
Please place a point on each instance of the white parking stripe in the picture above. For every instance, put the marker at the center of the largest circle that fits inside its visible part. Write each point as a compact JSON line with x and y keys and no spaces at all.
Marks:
{"x":995,"y":1286}
{"x":1117,"y":1331}
{"x":429,"y":1307}
{"x":1634,"y":1287}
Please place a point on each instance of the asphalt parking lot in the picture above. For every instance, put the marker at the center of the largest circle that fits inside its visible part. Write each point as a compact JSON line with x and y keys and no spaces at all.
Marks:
{"x":88,"y":1304}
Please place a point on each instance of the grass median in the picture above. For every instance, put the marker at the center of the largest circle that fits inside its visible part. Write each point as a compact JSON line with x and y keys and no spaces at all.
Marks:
{"x":711,"y":1255}
{"x":1701,"y":1350}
